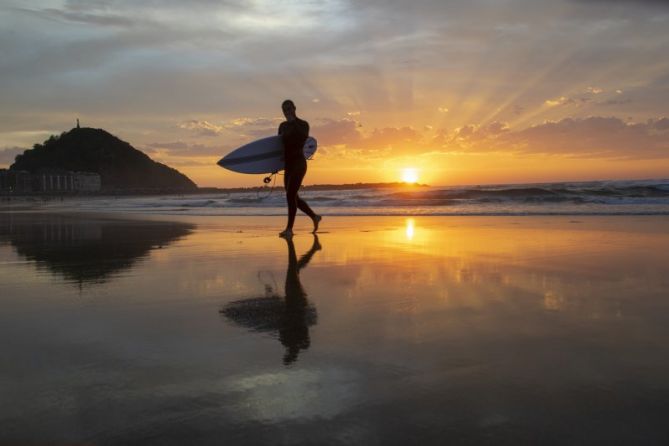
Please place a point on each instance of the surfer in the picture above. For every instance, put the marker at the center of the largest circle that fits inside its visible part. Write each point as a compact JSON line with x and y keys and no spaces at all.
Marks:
{"x":294,"y":133}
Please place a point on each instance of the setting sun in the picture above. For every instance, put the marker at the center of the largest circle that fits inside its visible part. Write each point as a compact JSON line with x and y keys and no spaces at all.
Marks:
{"x":409,"y":175}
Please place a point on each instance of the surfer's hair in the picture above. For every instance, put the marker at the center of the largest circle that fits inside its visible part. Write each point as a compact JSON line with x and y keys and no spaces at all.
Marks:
{"x":287,"y":104}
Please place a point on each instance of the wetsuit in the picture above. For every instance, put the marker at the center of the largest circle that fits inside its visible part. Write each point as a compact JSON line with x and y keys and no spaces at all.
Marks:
{"x":294,"y":134}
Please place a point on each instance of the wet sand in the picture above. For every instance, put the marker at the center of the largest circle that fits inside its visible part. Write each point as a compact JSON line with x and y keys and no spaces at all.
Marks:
{"x":383,"y":330}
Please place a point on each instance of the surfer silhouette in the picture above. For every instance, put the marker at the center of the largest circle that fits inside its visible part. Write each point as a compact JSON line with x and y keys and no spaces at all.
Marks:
{"x":294,"y":133}
{"x":289,"y":317}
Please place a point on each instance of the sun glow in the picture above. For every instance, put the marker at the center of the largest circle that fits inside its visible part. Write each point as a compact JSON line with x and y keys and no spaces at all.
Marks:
{"x":409,"y":175}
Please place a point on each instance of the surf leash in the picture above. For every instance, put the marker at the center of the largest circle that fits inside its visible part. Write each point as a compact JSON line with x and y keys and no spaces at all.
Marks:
{"x":267,"y":180}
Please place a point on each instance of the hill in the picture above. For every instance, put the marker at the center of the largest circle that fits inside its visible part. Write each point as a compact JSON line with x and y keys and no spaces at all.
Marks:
{"x":121,"y":166}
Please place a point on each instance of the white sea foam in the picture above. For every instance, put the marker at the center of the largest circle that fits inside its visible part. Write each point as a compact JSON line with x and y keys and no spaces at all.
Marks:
{"x":587,"y":198}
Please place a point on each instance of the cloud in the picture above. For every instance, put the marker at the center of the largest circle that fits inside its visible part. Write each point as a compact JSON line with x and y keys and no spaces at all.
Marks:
{"x":351,"y":141}
{"x":562,"y":100}
{"x":130,"y":5}
{"x":616,"y":102}
{"x":517,"y":109}
{"x":661,"y":124}
{"x":331,"y":132}
{"x":595,"y":137}
{"x":239,"y":127}
{"x":201,"y":128}
{"x":592,"y":137}
{"x":392,"y":137}
{"x":566,"y":101}
{"x":589,"y":96}
{"x":253,"y":127}
{"x":636,"y":3}
{"x":261,"y":16}
{"x":253,"y":122}
{"x":328,"y":131}
{"x":78,"y":16}
{"x":131,"y":13}
{"x":177,"y":145}
{"x":183,"y":149}
{"x":473,"y":133}
{"x":441,"y":138}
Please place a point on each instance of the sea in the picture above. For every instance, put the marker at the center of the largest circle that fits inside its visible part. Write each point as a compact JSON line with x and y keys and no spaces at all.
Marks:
{"x":635,"y":197}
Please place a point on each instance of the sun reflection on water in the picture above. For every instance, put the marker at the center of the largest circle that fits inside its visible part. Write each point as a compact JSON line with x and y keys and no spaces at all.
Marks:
{"x":410,"y":228}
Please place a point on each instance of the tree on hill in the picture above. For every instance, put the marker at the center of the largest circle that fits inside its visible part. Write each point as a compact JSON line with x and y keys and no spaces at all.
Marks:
{"x":120,"y":165}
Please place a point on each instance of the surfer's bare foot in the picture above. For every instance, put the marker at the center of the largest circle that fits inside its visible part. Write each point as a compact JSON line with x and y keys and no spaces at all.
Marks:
{"x":286,"y":233}
{"x":317,"y":245}
{"x":317,"y":219}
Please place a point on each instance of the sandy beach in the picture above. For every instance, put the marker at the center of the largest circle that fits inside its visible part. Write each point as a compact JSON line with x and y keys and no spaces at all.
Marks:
{"x":136,"y":329}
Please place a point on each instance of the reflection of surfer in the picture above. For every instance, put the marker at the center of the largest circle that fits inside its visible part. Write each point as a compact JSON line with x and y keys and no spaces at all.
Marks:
{"x":289,"y":317}
{"x":294,"y":331}
{"x":294,"y":132}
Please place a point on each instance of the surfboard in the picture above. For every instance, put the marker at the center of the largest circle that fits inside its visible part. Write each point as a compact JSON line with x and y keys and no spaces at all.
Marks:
{"x":262,"y":156}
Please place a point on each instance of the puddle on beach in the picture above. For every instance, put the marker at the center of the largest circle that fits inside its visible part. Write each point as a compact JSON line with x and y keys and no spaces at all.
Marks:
{"x":381,"y":330}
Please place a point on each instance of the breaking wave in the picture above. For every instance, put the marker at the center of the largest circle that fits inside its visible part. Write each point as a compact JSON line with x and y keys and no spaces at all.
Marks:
{"x":595,"y":198}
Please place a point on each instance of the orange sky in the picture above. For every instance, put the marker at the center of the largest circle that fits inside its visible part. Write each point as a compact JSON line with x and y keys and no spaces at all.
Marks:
{"x":464,"y":92}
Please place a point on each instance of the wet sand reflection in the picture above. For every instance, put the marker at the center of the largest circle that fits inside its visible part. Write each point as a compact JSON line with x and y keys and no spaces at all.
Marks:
{"x":288,"y":317}
{"x":86,"y":250}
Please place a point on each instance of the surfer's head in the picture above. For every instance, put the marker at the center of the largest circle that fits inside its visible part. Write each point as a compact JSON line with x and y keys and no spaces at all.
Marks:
{"x":288,"y":108}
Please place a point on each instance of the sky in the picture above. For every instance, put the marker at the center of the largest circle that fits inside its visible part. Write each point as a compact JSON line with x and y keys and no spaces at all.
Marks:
{"x":461,"y":91}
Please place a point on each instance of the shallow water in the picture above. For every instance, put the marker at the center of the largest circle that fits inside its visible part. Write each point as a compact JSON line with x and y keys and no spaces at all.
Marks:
{"x":384,"y":330}
{"x":640,"y":197}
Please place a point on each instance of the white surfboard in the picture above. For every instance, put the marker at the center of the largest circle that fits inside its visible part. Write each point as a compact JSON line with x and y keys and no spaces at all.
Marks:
{"x":262,"y":156}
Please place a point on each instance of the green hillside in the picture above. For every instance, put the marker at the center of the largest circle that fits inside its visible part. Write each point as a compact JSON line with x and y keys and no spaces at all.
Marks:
{"x":121,"y":166}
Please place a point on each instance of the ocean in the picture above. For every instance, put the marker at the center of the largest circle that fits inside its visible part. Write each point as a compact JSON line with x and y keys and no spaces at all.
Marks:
{"x":645,"y":197}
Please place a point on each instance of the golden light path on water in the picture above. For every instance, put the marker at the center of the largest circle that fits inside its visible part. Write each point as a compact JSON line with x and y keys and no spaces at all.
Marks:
{"x":410,"y":228}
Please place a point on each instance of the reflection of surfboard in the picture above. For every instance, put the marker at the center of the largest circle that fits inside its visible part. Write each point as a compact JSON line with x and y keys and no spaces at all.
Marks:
{"x":262,"y":156}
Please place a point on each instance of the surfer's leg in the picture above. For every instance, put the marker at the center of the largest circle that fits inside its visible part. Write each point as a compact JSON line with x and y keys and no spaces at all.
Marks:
{"x":292,"y":210}
{"x":288,"y":232}
{"x":304,"y":207}
{"x":292,"y":182}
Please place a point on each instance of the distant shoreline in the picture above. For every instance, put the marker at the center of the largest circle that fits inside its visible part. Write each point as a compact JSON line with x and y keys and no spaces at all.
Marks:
{"x":201,"y":190}
{"x":349,"y":186}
